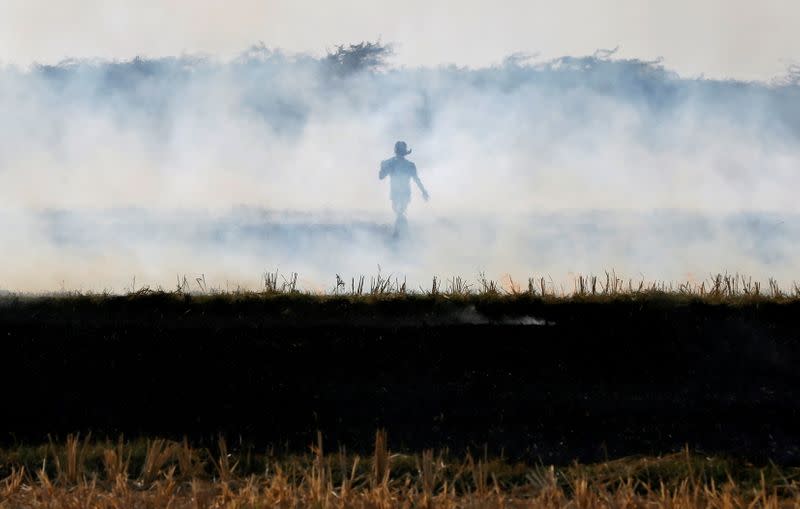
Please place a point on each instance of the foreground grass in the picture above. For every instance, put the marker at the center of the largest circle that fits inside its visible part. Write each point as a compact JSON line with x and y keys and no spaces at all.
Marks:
{"x":160,"y":473}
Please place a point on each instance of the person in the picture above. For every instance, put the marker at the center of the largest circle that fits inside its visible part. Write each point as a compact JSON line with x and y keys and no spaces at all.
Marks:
{"x":401,"y":172}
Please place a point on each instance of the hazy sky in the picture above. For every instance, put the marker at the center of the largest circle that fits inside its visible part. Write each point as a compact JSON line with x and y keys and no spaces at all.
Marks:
{"x":744,"y":39}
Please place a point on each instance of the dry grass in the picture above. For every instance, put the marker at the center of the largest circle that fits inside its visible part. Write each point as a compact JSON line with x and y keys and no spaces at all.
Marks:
{"x":716,"y":288}
{"x":175,"y":475}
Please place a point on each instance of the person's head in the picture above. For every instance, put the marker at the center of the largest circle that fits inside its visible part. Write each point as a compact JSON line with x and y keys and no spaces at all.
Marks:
{"x":401,"y":149}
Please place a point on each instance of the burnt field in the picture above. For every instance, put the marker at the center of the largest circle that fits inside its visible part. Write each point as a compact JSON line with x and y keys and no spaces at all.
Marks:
{"x":534,"y":378}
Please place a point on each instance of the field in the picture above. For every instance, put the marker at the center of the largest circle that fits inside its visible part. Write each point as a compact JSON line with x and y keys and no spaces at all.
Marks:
{"x":614,"y":394}
{"x":611,"y":370}
{"x":160,"y":473}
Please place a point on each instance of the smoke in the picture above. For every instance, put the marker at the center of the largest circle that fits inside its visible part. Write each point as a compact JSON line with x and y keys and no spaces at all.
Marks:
{"x":157,"y":168}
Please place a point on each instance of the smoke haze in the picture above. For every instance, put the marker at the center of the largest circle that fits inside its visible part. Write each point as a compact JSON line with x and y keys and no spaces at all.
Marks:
{"x":738,"y":39}
{"x":157,"y":168}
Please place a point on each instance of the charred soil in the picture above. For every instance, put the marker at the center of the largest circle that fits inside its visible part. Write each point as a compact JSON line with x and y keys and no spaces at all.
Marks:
{"x":533,"y":378}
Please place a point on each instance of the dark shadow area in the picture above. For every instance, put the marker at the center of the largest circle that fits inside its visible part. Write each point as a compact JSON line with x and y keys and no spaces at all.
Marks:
{"x":591,"y":380}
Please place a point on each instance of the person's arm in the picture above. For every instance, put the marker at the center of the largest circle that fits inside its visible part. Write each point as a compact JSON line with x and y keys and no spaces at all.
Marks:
{"x":419,"y":184}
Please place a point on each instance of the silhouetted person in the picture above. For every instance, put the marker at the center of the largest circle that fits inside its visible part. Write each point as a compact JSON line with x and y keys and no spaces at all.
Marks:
{"x":401,"y":171}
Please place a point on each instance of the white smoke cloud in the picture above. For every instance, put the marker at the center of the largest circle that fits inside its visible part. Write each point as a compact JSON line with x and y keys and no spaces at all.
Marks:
{"x":158,"y":168}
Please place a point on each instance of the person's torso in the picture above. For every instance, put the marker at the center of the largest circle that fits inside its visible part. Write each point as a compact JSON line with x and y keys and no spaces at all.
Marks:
{"x":400,"y":170}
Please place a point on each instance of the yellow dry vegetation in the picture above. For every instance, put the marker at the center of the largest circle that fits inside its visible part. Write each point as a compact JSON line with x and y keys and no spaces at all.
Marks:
{"x":173,"y":475}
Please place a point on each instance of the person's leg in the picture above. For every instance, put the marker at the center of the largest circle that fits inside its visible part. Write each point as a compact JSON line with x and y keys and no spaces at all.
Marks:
{"x":399,"y":206}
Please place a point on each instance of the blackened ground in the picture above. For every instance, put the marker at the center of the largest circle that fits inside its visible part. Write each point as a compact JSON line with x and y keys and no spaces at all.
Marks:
{"x":591,"y":380}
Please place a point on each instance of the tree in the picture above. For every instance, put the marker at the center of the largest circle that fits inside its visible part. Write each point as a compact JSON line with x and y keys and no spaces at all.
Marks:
{"x":353,"y":58}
